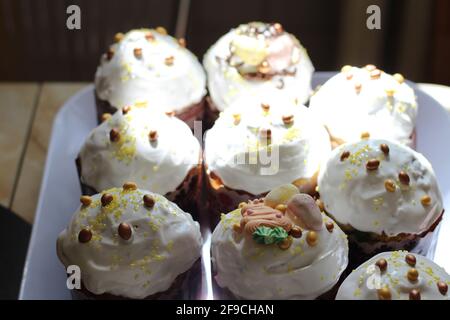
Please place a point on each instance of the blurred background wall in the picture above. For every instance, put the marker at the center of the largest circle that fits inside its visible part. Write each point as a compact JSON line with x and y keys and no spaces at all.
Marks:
{"x":414,"y":38}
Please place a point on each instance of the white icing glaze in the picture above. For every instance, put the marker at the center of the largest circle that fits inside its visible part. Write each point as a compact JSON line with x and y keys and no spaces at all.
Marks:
{"x":159,"y":166}
{"x":165,"y":243}
{"x":257,"y":271}
{"x":297,"y":149}
{"x":126,"y":79}
{"x":358,"y":197}
{"x":364,"y":282}
{"x":348,"y":114}
{"x":225,"y":82}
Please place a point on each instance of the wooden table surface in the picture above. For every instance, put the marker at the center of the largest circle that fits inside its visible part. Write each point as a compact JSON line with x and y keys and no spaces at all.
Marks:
{"x":27,"y":113}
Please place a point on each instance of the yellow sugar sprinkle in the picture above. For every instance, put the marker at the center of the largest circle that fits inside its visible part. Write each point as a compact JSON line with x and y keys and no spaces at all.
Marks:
{"x":361,"y":279}
{"x":115,"y":260}
{"x":170,"y":245}
{"x":96,"y":237}
{"x":124,"y":149}
{"x":349,"y":174}
{"x":259,"y":253}
{"x":291,"y":134}
{"x":290,"y":268}
{"x":429,"y":270}
{"x":389,"y":105}
{"x":297,"y":250}
{"x":141,"y":103}
{"x":95,"y":203}
{"x":229,"y":219}
{"x":112,"y":206}
{"x":377,"y":203}
{"x":123,"y":202}
{"x":153,"y":225}
{"x":125,"y":78}
{"x":360,"y":156}
{"x":128,"y":117}
{"x":117,"y":214}
{"x":357,"y":292}
{"x":83,"y":215}
{"x":401,"y":107}
{"x":158,"y":257}
{"x":394,"y":281}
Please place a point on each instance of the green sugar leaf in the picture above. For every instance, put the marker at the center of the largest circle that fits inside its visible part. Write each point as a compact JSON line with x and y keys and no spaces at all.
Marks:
{"x":279,"y":234}
{"x":262,"y":235}
{"x":266,"y":235}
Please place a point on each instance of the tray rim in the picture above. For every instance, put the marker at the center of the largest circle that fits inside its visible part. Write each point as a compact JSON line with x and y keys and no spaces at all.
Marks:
{"x":45,"y":177}
{"x":317,"y":76}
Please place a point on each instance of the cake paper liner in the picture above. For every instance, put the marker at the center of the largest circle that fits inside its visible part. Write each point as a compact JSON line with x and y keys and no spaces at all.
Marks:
{"x":225,"y":294}
{"x":365,"y":245}
{"x":189,"y":114}
{"x":186,"y":195}
{"x":185,"y":287}
{"x":222,"y":199}
{"x":336,"y":141}
{"x":211,"y":113}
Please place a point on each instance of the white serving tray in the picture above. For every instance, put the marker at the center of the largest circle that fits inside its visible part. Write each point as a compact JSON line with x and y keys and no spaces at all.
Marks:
{"x":44,"y":276}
